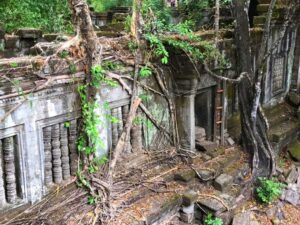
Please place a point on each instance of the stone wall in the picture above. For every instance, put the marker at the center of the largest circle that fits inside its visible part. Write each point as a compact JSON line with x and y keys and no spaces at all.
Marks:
{"x":37,"y":139}
{"x":42,"y":117}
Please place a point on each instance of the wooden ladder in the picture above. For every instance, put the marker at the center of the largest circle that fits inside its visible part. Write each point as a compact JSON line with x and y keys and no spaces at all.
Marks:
{"x":220,"y":112}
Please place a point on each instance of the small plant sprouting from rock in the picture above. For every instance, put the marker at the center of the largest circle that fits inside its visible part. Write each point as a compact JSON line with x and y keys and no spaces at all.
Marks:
{"x":268,"y":190}
{"x":210,"y":220}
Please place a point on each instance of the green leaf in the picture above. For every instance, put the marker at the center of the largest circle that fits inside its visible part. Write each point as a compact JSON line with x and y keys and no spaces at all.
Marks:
{"x":14,"y":65}
{"x":145,"y":72}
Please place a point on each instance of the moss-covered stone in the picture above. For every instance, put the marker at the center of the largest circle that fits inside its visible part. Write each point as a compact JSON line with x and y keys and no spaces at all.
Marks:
{"x":234,"y":126}
{"x":294,"y":150}
{"x":185,"y":176}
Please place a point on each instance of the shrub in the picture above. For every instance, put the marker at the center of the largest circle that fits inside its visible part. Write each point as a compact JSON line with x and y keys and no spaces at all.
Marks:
{"x":210,"y":220}
{"x":268,"y":190}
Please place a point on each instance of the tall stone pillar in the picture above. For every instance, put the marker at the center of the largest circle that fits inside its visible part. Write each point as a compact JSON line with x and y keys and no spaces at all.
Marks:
{"x":185,"y":109}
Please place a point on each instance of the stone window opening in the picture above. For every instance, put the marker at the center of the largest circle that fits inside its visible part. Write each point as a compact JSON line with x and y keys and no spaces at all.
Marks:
{"x":60,"y":152}
{"x":10,"y":172}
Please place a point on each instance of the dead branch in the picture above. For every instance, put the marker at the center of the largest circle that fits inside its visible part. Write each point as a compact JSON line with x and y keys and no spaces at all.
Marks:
{"x":237,"y":80}
{"x":123,"y":139}
{"x":142,"y":106}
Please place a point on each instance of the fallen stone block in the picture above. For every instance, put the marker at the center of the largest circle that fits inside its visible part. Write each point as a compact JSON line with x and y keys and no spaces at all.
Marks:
{"x":205,"y":175}
{"x":212,"y":204}
{"x":185,"y":176}
{"x":189,"y":198}
{"x":293,"y":176}
{"x":294,"y":98}
{"x":292,"y":197}
{"x":164,"y":211}
{"x":242,"y":218}
{"x":209,"y":147}
{"x":200,"y":133}
{"x":230,"y":141}
{"x":223,"y":182}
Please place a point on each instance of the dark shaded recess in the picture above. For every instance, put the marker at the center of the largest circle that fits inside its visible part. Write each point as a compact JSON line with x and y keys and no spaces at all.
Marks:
{"x":252,"y":11}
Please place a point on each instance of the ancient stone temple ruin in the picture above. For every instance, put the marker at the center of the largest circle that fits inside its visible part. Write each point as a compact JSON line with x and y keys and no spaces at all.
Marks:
{"x":41,"y":107}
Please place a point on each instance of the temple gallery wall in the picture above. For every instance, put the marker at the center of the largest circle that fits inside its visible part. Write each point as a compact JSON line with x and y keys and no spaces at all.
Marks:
{"x":38,"y":137}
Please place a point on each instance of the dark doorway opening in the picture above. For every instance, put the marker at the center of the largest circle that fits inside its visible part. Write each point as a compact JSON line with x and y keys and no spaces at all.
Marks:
{"x":252,"y":11}
{"x":204,"y":111}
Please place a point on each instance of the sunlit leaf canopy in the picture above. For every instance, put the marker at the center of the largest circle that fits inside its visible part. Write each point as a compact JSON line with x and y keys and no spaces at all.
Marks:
{"x":55,"y":16}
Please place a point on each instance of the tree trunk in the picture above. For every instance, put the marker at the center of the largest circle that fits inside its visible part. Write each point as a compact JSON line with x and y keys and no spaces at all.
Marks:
{"x":84,"y":27}
{"x":136,"y":18}
{"x":254,"y":130}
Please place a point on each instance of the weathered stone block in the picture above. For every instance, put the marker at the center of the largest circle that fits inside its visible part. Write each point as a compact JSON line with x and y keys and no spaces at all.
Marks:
{"x":294,"y":150}
{"x":293,"y":175}
{"x":200,"y":133}
{"x":12,"y":41}
{"x":223,"y":182}
{"x":259,"y":20}
{"x":212,"y":204}
{"x":292,"y":197}
{"x":29,"y":33}
{"x":242,"y":218}
{"x":262,"y":8}
{"x":185,"y":176}
{"x":189,"y":198}
{"x":294,"y":98}
{"x":205,"y":174}
{"x":166,"y":210}
{"x":50,"y":37}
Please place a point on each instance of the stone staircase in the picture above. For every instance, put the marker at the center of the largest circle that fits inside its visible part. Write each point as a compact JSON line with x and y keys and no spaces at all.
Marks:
{"x":284,"y":125}
{"x":262,"y":10}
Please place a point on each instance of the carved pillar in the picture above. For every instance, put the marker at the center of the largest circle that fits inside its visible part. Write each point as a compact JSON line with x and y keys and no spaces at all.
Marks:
{"x":56,"y":154}
{"x":64,"y":151}
{"x":73,"y":146}
{"x":185,"y":109}
{"x":10,"y":170}
{"x":114,"y":128}
{"x":2,"y":191}
{"x":48,"y":155}
{"x":125,"y":112}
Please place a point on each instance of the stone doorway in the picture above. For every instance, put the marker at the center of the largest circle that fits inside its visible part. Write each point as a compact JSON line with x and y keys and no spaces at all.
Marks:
{"x":204,"y":114}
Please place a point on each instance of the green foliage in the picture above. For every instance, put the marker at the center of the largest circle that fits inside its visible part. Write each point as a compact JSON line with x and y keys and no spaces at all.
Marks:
{"x":268,"y":190}
{"x":145,"y":72}
{"x":72,"y":68}
{"x":97,"y":72}
{"x":14,"y":65}
{"x":108,"y":65}
{"x":104,"y":5}
{"x":158,"y":47}
{"x":90,"y":124}
{"x":91,"y":200}
{"x":64,"y":54}
{"x":48,"y":15}
{"x":132,"y":45}
{"x":210,"y":220}
{"x":128,"y":23}
{"x":67,"y":124}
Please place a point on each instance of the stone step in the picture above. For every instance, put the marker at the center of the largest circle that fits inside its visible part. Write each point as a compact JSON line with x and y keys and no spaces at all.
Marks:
{"x":259,"y":20}
{"x":278,"y":114}
{"x":264,"y":1}
{"x":283,"y":131}
{"x":262,"y":8}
